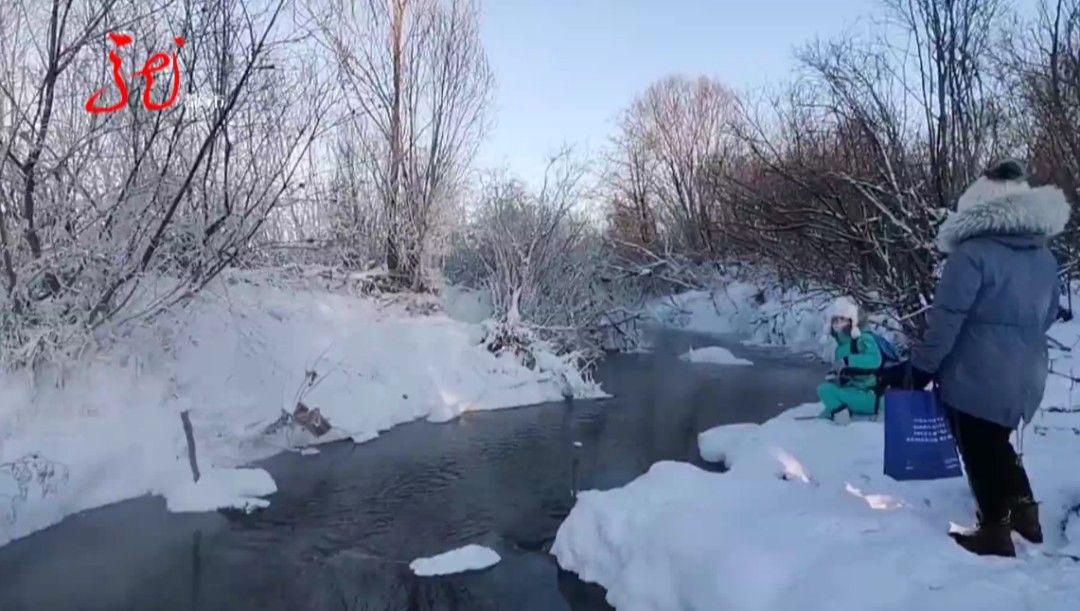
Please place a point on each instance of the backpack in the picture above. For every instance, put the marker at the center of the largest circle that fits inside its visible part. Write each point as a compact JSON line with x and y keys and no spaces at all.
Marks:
{"x":889,"y":354}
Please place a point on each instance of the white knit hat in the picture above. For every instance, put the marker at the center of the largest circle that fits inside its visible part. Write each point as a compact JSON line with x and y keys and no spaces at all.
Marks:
{"x":999,"y":181}
{"x":843,"y":307}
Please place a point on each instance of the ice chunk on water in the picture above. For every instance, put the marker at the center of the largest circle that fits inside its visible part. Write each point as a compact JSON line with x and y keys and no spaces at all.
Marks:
{"x":468,"y":558}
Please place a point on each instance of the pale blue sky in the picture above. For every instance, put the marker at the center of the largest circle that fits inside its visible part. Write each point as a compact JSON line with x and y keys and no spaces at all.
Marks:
{"x":565,"y":68}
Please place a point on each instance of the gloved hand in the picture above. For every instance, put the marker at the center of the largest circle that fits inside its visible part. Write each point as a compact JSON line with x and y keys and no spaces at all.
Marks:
{"x":897,"y":376}
{"x":851,"y":372}
{"x":892,"y":377}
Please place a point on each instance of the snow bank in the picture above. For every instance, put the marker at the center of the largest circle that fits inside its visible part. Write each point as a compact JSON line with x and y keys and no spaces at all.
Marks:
{"x":222,"y":489}
{"x":468,"y":558}
{"x":758,"y":312}
{"x":762,"y":316}
{"x":235,"y":357}
{"x":804,"y":519}
{"x":714,"y":355}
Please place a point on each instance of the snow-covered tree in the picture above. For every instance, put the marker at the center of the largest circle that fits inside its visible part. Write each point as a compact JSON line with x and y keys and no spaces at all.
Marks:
{"x":112,"y":216}
{"x":417,"y":86}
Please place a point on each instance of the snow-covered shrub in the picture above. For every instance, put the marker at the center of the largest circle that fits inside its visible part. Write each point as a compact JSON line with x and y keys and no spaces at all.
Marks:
{"x":108,"y":218}
{"x":569,"y":368}
{"x":545,"y":264}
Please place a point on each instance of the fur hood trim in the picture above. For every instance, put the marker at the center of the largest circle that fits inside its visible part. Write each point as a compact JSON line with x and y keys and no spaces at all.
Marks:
{"x":1039,"y":211}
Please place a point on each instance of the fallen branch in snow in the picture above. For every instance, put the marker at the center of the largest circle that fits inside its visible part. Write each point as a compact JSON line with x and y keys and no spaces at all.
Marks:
{"x":673,"y":304}
{"x":309,"y":419}
{"x":1058,"y":345}
{"x":1061,"y":410}
{"x":1064,"y":375}
{"x":1042,"y":430}
{"x":189,"y":434}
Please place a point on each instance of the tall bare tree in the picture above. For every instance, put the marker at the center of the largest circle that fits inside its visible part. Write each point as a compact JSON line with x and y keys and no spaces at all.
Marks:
{"x":951,"y":42}
{"x":628,"y":180}
{"x":1041,"y":61}
{"x":418,"y":85}
{"x":674,"y":131}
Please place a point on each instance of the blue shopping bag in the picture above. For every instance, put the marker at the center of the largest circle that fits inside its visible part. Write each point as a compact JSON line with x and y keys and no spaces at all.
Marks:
{"x":919,"y":444}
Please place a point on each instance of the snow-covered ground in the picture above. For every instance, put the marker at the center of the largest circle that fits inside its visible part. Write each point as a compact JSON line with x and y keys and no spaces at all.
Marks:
{"x":460,"y":560}
{"x":222,"y":488}
{"x":109,"y":428}
{"x":805,"y":519}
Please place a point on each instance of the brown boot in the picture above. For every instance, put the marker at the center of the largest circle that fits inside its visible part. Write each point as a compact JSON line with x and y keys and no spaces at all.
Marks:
{"x":1025,"y":520}
{"x":989,"y":539}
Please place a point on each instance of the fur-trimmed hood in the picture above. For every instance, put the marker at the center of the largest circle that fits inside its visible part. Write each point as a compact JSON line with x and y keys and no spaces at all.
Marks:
{"x":1042,"y":211}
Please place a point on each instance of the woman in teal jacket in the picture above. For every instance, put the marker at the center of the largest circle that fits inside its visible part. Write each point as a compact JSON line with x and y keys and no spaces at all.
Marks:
{"x":855,"y":351}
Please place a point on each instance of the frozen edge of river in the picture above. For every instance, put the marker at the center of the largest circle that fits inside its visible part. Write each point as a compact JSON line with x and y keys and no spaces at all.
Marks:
{"x":108,"y":429}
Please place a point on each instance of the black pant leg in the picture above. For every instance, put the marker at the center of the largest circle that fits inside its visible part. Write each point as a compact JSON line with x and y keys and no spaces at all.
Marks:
{"x":989,"y":461}
{"x":1019,"y":486}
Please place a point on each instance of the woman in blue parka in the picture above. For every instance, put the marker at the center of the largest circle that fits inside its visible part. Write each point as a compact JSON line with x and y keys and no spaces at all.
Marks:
{"x":985,"y":342}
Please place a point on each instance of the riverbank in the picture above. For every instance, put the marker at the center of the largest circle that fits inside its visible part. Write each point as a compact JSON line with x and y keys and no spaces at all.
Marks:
{"x":344,"y":524}
{"x":242,"y":353}
{"x":804,"y":518}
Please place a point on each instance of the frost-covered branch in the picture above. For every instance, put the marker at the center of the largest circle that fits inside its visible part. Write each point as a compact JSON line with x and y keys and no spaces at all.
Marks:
{"x":546,"y":266}
{"x":107,"y":219}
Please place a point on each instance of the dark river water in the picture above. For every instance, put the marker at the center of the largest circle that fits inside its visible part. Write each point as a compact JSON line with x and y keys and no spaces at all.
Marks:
{"x":342,"y":528}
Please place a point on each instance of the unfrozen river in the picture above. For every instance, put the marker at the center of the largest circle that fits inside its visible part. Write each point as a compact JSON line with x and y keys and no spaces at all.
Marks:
{"x":344,"y":524}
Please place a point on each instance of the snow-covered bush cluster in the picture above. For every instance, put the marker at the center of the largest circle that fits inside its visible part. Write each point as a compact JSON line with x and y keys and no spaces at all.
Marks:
{"x":547,"y":267}
{"x":113,"y":216}
{"x":754,"y":307}
{"x":274,"y":147}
